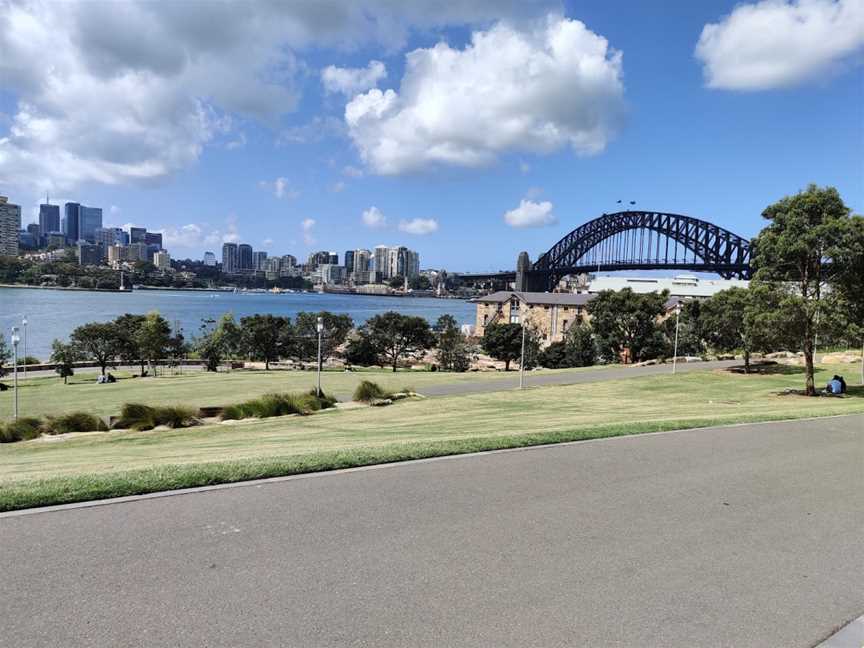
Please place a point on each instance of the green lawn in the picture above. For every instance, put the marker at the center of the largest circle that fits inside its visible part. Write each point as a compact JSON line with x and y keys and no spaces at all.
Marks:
{"x":196,"y":388}
{"x":96,"y":465}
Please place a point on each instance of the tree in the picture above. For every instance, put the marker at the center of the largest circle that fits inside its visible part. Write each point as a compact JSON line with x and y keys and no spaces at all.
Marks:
{"x":361,"y":350}
{"x":626,"y":321}
{"x":397,"y":282}
{"x":153,"y":338}
{"x":727,"y":321}
{"x":797,"y":256}
{"x":503,"y":342}
{"x":398,"y":336}
{"x":691,"y":338}
{"x":303,"y":344}
{"x":98,"y":341}
{"x":64,"y":357}
{"x":128,"y":326}
{"x":214,"y":345}
{"x":263,"y":337}
{"x":420,"y":282}
{"x":581,"y":346}
{"x":454,"y":353}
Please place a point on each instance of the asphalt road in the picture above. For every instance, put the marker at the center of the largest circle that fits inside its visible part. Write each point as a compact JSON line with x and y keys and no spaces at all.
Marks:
{"x":738,"y":536}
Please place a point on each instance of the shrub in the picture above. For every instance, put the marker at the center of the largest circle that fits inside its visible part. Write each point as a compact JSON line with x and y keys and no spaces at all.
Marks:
{"x":74,"y":422}
{"x":368,"y":391}
{"x":278,"y":405}
{"x":140,"y":417}
{"x":30,"y":360}
{"x":22,"y":429}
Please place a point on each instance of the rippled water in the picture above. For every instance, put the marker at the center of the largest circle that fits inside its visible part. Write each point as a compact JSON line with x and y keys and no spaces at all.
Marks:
{"x":54,"y":313}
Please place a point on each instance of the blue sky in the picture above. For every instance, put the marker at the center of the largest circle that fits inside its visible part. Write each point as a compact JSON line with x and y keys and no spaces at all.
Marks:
{"x":237,"y":137}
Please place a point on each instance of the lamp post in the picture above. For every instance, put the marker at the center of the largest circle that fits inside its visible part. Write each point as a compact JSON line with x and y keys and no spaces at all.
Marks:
{"x":15,"y":340}
{"x":320,"y":327}
{"x":24,"y":326}
{"x":675,"y":352}
{"x":522,"y":361}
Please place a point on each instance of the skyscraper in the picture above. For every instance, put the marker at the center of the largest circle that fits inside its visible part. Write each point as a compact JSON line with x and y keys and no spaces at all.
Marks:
{"x":361,"y":260}
{"x":10,"y":223}
{"x":153,"y":238}
{"x":109,"y":236}
{"x":244,"y":257}
{"x":259,"y":258}
{"x":137,"y":235}
{"x":209,"y":259}
{"x":333,"y":258}
{"x":349,"y":261}
{"x":49,"y":219}
{"x":380,"y":261}
{"x":90,"y":221}
{"x":229,"y":258}
{"x":72,"y":222}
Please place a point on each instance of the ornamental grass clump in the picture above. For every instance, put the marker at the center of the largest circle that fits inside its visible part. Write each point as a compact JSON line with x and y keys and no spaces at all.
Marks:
{"x":139,"y":417}
{"x":73,"y":422}
{"x":368,"y":391}
{"x":22,"y":429}
{"x":271,"y":405}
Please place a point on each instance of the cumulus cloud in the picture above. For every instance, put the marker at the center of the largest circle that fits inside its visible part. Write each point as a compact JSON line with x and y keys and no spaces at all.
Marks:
{"x":374,"y":218}
{"x":531,"y":214}
{"x":554,"y":85}
{"x":350,"y":81}
{"x":280,"y":188}
{"x":308,"y":227}
{"x":124,"y":92}
{"x":418,"y":226}
{"x":190,"y":236}
{"x":774,"y":43}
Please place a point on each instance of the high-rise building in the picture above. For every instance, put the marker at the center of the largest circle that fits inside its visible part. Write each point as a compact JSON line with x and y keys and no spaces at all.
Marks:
{"x":109,"y":236}
{"x":72,"y":222}
{"x":259,"y":258}
{"x":229,"y":258}
{"x":380,"y":261}
{"x":317,"y":258}
{"x":137,"y":235}
{"x":272,"y":268}
{"x":412,"y":264}
{"x":91,"y":220}
{"x":209,"y":259}
{"x":137,"y":252}
{"x":362,"y":259}
{"x":333,"y":259}
{"x":331,"y":273}
{"x":162,"y":260}
{"x":10,"y":223}
{"x":349,"y":261}
{"x":244,"y":257}
{"x":89,"y":253}
{"x":153,"y":238}
{"x":289,"y":261}
{"x":49,"y":219}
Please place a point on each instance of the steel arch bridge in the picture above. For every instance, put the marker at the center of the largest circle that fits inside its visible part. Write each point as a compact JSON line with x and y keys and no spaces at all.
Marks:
{"x":639,"y":240}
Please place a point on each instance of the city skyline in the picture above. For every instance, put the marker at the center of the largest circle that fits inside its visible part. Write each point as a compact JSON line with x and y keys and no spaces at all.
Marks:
{"x":368,"y":131}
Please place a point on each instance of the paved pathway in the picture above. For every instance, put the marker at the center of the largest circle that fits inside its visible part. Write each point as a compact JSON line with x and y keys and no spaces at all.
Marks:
{"x":739,"y":536}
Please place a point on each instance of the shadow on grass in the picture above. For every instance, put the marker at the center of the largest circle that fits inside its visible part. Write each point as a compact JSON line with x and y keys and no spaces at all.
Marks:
{"x":768,"y":369}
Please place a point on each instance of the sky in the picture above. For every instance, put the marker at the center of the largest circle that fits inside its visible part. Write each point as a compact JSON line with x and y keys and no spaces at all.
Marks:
{"x":467,"y":130}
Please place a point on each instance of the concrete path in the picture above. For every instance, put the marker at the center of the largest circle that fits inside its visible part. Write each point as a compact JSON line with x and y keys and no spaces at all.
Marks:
{"x":739,"y":536}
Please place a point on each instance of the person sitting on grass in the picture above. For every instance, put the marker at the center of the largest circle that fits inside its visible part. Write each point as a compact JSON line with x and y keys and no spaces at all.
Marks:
{"x":834,"y":386}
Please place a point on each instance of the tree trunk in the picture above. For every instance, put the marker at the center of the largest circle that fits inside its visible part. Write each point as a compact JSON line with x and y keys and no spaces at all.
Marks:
{"x":102,"y":367}
{"x":746,"y":361}
{"x":810,"y":387}
{"x":507,"y":365}
{"x":395,"y":362}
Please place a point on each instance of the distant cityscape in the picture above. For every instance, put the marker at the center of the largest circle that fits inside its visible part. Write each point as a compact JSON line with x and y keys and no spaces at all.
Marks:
{"x":80,"y":229}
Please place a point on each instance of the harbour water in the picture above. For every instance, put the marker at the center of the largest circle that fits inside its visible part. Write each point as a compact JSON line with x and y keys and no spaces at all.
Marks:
{"x":54,"y":313}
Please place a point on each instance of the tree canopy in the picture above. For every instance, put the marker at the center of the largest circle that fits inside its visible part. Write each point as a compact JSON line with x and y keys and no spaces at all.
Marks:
{"x":626,"y":321}
{"x":397,"y":336}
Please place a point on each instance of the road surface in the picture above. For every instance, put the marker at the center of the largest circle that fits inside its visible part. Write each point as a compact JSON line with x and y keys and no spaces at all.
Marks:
{"x":740,"y":536}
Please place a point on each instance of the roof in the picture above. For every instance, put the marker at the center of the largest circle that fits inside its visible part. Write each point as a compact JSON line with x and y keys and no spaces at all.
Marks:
{"x":542,"y":298}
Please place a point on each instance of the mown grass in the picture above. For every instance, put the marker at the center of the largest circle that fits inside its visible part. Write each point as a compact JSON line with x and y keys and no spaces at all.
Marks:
{"x":80,"y":467}
{"x":49,"y":396}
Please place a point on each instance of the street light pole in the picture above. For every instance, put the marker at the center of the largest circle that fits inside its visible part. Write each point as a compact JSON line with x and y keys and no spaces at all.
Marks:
{"x":675,"y":352}
{"x":320,"y":327}
{"x":24,"y":324}
{"x":522,"y":361}
{"x":15,"y":340}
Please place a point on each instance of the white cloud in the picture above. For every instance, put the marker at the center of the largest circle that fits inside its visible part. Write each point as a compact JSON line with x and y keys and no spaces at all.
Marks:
{"x":131,"y":92}
{"x":267,"y":242}
{"x":350,"y":81}
{"x":337,"y":187}
{"x":531,"y":214}
{"x":308,"y":227}
{"x":524,"y":167}
{"x":280,"y":188}
{"x":774,"y":43}
{"x":189,"y":236}
{"x":418,"y":226}
{"x":237,"y":143}
{"x":374,"y":218}
{"x":554,"y":85}
{"x":352,"y":172}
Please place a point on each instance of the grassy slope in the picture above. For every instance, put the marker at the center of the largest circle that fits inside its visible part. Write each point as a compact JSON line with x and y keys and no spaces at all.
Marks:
{"x":48,"y":395}
{"x":117,"y":463}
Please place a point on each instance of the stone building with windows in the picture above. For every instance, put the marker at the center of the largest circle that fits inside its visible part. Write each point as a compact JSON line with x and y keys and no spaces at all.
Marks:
{"x":550,"y":314}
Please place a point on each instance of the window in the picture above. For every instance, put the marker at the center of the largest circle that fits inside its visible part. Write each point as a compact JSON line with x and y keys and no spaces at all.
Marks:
{"x":514,"y":311}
